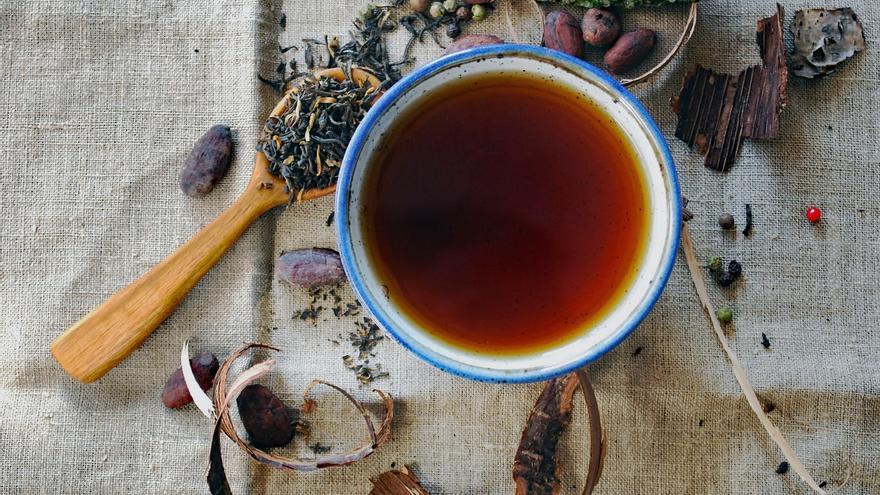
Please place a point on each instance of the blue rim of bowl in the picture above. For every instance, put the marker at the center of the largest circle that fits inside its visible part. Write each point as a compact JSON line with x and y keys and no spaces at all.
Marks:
{"x":343,"y":218}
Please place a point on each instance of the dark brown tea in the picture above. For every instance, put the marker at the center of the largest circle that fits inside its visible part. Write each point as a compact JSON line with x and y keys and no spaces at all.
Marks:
{"x":505,"y":214}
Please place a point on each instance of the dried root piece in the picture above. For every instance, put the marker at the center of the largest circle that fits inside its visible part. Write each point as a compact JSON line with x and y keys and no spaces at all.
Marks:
{"x":739,"y":372}
{"x":716,"y":112}
{"x":394,"y":482}
{"x":536,"y":468}
{"x":224,"y":395}
{"x":823,"y":39}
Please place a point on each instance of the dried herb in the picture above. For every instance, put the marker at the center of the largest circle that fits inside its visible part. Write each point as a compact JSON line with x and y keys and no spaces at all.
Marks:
{"x":393,"y":482}
{"x":224,"y":395}
{"x":738,"y":371}
{"x":782,"y":468}
{"x":305,"y":144}
{"x":330,"y":218}
{"x":535,"y":467}
{"x":747,"y":230}
{"x":718,"y":111}
{"x":765,"y":342}
{"x":823,"y":38}
{"x":282,"y":21}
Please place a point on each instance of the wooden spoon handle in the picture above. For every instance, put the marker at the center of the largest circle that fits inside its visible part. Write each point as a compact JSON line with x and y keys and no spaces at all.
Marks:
{"x":95,"y":344}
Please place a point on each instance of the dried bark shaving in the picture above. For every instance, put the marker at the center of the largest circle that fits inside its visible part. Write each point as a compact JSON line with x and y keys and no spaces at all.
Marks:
{"x":224,"y":395}
{"x":394,"y":482}
{"x":718,"y":111}
{"x":739,"y":372}
{"x":536,"y":468}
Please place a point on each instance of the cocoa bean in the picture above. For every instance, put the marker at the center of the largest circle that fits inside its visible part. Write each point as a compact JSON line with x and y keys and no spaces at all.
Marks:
{"x":207,"y":162}
{"x":600,"y":27}
{"x":175,"y":393}
{"x":312,"y":267}
{"x":470,"y":41}
{"x":562,"y":33}
{"x":267,"y":421}
{"x":630,"y":50}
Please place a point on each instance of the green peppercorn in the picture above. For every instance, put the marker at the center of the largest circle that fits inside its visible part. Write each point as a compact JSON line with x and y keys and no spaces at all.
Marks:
{"x":450,"y":5}
{"x":436,"y":10}
{"x":463,"y":13}
{"x":453,"y":30}
{"x":715,"y":264}
{"x":478,"y":12}
{"x":724,"y":315}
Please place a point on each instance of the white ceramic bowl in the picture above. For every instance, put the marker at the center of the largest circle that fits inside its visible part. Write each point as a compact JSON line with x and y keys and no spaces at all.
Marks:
{"x":663,"y":203}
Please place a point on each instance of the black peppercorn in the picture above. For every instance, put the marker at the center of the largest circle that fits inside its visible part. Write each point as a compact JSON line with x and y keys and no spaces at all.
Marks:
{"x":726,"y":221}
{"x":735,"y":268}
{"x":453,"y":30}
{"x":726,"y":279}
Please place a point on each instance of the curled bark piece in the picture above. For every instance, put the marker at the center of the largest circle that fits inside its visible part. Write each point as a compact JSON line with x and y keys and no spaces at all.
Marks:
{"x":738,"y":370}
{"x":224,"y":395}
{"x":535,"y":467}
{"x":716,"y":112}
{"x":394,"y":482}
{"x":824,"y":38}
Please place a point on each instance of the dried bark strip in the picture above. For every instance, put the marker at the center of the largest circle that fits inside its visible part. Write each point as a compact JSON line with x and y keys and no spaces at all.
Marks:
{"x":535,"y":467}
{"x":394,"y":482}
{"x":718,"y":111}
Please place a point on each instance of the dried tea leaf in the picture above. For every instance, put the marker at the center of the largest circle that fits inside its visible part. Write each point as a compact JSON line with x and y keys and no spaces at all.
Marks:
{"x":224,"y":395}
{"x":716,"y":112}
{"x":823,"y":38}
{"x":394,"y":482}
{"x":738,"y":371}
{"x":535,"y":467}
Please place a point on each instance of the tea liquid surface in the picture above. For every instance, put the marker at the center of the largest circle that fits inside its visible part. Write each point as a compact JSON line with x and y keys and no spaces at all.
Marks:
{"x":505,"y":214}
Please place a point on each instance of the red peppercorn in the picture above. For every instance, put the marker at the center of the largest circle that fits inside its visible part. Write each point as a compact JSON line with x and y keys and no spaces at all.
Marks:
{"x":814,"y":214}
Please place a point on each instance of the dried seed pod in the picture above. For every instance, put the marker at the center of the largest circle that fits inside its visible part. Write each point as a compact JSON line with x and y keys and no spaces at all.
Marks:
{"x":204,"y":368}
{"x":472,"y":40}
{"x":207,"y":162}
{"x":562,"y":33}
{"x":264,"y":416}
{"x":311,"y":267}
{"x":630,"y":50}
{"x":600,"y":27}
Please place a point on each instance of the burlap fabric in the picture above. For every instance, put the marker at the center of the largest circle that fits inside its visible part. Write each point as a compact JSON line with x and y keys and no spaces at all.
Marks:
{"x":100,"y":102}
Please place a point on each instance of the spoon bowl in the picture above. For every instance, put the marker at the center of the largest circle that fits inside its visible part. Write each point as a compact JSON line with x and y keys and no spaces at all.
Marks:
{"x":100,"y":340}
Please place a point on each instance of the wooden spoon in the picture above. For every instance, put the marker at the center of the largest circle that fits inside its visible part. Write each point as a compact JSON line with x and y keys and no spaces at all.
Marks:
{"x":95,"y":344}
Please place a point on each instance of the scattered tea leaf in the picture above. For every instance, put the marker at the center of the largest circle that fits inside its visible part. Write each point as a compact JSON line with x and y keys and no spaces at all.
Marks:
{"x":747,"y":230}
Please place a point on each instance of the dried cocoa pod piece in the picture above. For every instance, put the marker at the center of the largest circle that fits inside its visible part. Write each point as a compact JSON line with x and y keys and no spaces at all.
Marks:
{"x":265,"y":417}
{"x":600,"y":27}
{"x":311,"y":267}
{"x":472,"y":40}
{"x":630,"y":50}
{"x":204,"y":368}
{"x":562,"y":32}
{"x":207,"y":162}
